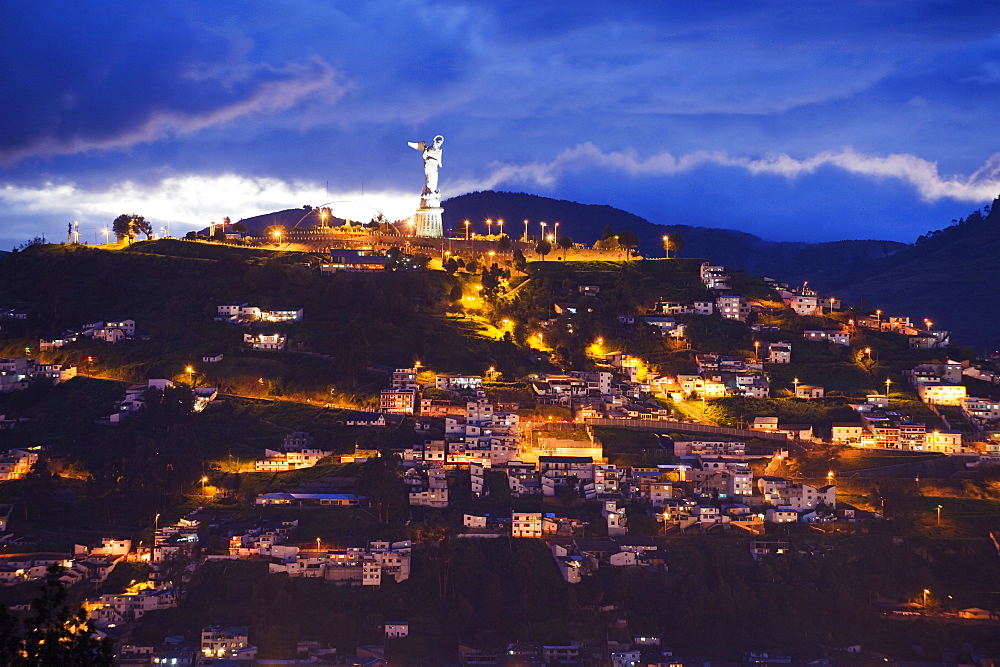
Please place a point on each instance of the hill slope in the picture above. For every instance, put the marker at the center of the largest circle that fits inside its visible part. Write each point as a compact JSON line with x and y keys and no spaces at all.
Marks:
{"x":788,"y":261}
{"x":950,"y":276}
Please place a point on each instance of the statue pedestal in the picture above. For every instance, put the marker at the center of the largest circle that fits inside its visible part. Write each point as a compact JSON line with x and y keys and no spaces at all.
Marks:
{"x":427,"y":222}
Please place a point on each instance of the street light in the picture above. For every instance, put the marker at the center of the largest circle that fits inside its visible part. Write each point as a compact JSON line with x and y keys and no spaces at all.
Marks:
{"x":666,"y":246}
{"x":190,"y":372}
{"x":756,"y":347}
{"x":525,"y":231}
{"x":107,"y":235}
{"x":500,"y":225}
{"x":542,"y":237}
{"x":887,"y":383}
{"x":277,"y":236}
{"x":939,"y":515}
{"x":926,"y":593}
{"x":466,"y":230}
{"x":555,"y":231}
{"x":829,"y":477}
{"x":489,"y":226}
{"x":203,"y":480}
{"x":795,"y":383}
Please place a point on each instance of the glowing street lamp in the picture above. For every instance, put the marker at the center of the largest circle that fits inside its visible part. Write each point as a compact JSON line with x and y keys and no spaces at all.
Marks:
{"x":829,"y":477}
{"x":277,"y":236}
{"x":500,"y":226}
{"x":190,"y":372}
{"x":887,"y":383}
{"x":926,"y":593}
{"x":107,"y":235}
{"x":467,"y":230}
{"x":756,"y":348}
{"x":666,"y":246}
{"x":600,"y":341}
{"x":203,"y":480}
{"x":489,"y":226}
{"x":939,"y":515}
{"x":795,"y":383}
{"x":555,"y":231}
{"x":525,"y":230}
{"x":542,"y":223}
{"x":928,"y":323}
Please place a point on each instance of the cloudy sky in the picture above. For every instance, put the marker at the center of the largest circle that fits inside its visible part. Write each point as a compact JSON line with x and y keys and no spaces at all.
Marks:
{"x":791,"y":120}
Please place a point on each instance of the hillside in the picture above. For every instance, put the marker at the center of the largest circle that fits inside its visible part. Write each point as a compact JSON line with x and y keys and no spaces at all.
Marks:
{"x":788,"y":261}
{"x":171,"y":288}
{"x":949,"y":276}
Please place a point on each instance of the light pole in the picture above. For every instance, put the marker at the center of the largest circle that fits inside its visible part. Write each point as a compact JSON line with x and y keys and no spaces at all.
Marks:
{"x":466,"y":230}
{"x":887,"y":383}
{"x":795,"y":383}
{"x":489,"y":226}
{"x":938,"y":515}
{"x":542,"y":236}
{"x":555,"y":232}
{"x":666,"y":246}
{"x":318,"y":545}
{"x":756,"y":349}
{"x":203,"y":480}
{"x":926,"y":593}
{"x":107,"y":235}
{"x":190,"y":372}
{"x":500,"y":226}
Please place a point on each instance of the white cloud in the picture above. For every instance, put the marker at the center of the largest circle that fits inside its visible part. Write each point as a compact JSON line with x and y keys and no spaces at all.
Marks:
{"x":922,"y":175}
{"x":189,"y":202}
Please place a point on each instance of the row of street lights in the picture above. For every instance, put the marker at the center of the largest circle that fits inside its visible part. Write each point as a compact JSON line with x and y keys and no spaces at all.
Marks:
{"x":499,"y":223}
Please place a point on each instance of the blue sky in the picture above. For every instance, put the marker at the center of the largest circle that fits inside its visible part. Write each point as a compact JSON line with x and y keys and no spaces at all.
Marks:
{"x":790,"y":120}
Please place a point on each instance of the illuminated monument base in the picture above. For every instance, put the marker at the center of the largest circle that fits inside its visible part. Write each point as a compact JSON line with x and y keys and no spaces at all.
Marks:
{"x":427,"y":222}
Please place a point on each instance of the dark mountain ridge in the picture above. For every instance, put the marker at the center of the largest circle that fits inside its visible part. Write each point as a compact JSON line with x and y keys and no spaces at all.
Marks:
{"x":789,"y":261}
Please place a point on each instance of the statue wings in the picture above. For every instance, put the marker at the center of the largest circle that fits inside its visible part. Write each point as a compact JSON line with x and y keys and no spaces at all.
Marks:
{"x":419,"y":145}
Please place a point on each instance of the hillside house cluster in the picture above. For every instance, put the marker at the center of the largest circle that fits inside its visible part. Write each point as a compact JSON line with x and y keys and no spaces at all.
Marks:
{"x":16,"y":373}
{"x":16,"y":463}
{"x":355,"y":565}
{"x":244,"y":313}
{"x":884,"y":428}
{"x":720,"y":376}
{"x":265,"y":341}
{"x":806,"y":302}
{"x":134,"y":400}
{"x":108,"y":332}
{"x":938,"y":384}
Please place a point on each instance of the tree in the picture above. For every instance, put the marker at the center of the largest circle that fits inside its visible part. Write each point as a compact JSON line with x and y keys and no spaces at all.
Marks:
{"x":519,"y":261}
{"x":565,"y":242}
{"x":52,"y":634}
{"x":543,"y":248}
{"x":628,"y":241}
{"x":381,"y":483}
{"x":129,"y":225}
{"x":450,"y":265}
{"x":673,"y":243}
